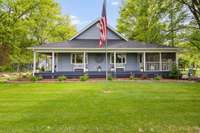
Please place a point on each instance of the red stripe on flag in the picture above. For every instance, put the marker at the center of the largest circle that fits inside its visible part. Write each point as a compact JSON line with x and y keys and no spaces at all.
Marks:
{"x":103,"y":31}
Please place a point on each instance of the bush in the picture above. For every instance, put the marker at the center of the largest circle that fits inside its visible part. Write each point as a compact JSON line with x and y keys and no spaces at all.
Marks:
{"x":62,"y":78}
{"x":132,"y":77}
{"x":85,"y":77}
{"x":110,"y":78}
{"x":158,"y":77}
{"x":174,"y":73}
{"x":36,"y":78}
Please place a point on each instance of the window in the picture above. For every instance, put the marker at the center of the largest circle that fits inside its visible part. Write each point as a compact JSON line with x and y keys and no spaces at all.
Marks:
{"x":120,"y":58}
{"x":78,"y":58}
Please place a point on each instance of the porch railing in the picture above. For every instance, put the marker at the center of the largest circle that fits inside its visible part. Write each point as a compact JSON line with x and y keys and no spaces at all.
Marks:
{"x":78,"y":66}
{"x":167,"y":66}
{"x":120,"y":65}
{"x":152,"y":66}
{"x":155,"y":66}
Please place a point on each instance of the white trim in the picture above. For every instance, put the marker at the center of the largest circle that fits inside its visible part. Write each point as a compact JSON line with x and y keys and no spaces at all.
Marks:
{"x":177,"y":59}
{"x":160,"y":54}
{"x":116,"y":58}
{"x":34,"y":63}
{"x":144,"y":61}
{"x":115,"y":67}
{"x":55,"y":48}
{"x":53,"y":63}
{"x":84,"y":61}
{"x":46,"y":52}
{"x":71,"y":55}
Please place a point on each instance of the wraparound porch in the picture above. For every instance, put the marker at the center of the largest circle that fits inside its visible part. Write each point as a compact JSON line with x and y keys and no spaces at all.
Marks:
{"x":119,"y":63}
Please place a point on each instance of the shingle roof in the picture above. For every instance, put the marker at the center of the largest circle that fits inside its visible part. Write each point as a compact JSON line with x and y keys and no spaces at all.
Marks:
{"x":95,"y":44}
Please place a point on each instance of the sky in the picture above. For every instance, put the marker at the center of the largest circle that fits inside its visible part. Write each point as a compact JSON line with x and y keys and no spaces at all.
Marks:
{"x":83,"y":12}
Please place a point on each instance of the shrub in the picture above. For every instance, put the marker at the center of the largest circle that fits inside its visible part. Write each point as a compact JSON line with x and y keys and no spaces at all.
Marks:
{"x":62,"y":78}
{"x":43,"y":69}
{"x":110,"y":78}
{"x":158,"y":77}
{"x":36,"y":78}
{"x":85,"y":77}
{"x":131,"y":77}
{"x":174,"y":73}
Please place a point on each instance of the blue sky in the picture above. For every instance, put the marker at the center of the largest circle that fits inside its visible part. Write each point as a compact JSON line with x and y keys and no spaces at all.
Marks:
{"x":84,"y":12}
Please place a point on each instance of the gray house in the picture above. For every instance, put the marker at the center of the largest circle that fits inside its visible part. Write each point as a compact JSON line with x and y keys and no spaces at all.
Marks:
{"x":81,"y":54}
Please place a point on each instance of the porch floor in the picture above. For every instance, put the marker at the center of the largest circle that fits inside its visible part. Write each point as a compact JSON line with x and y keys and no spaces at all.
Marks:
{"x":95,"y":74}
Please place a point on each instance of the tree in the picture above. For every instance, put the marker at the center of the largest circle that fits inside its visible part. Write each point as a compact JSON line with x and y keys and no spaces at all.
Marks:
{"x":153,"y":21}
{"x":26,"y":23}
{"x":139,"y":20}
{"x":174,"y":20}
{"x":193,"y":35}
{"x":194,"y":7}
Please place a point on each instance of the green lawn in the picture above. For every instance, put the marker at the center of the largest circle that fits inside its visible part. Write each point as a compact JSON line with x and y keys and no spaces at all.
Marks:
{"x":147,"y":106}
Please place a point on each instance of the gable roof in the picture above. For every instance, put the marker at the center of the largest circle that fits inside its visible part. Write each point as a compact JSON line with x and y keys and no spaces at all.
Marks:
{"x":85,"y":40}
{"x":111,"y":31}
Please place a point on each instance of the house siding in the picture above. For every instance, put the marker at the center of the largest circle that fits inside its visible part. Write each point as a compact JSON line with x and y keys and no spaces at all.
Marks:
{"x":63,"y":62}
{"x":93,"y":33}
{"x":93,"y":63}
{"x":132,"y":63}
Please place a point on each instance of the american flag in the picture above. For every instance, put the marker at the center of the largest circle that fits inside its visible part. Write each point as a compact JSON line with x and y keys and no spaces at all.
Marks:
{"x":103,"y":26}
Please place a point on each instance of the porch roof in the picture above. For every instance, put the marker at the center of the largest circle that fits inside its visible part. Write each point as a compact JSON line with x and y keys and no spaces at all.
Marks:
{"x":112,"y":44}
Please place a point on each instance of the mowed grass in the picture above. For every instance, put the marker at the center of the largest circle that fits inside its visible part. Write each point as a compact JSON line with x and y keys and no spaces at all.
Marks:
{"x":127,"y":107}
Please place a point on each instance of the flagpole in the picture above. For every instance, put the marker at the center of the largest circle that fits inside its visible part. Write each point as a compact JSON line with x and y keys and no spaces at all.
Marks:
{"x":106,"y":60}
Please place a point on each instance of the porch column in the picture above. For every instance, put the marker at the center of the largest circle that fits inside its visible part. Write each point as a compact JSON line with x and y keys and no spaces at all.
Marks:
{"x":53,"y":62}
{"x":34,"y":63}
{"x":84,"y":66}
{"x":177,"y":59}
{"x":160,"y":61}
{"x":115,"y":67}
{"x":144,"y":58}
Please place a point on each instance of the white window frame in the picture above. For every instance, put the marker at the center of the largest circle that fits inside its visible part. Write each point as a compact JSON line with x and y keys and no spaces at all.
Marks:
{"x":112,"y":54}
{"x":86,"y":61}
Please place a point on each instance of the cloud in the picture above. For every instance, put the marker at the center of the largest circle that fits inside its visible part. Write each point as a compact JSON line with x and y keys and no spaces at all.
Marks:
{"x":78,"y":22}
{"x":115,"y":3}
{"x":75,"y":20}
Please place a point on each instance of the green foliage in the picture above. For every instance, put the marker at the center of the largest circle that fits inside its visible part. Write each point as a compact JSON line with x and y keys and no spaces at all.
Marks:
{"x":158,"y":77}
{"x":194,"y":39}
{"x":36,"y":78}
{"x":26,"y":23}
{"x":85,"y":77}
{"x":138,"y":23}
{"x":110,"y":78}
{"x":174,"y":73}
{"x":150,"y":20}
{"x":132,"y":77}
{"x":62,"y":78}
